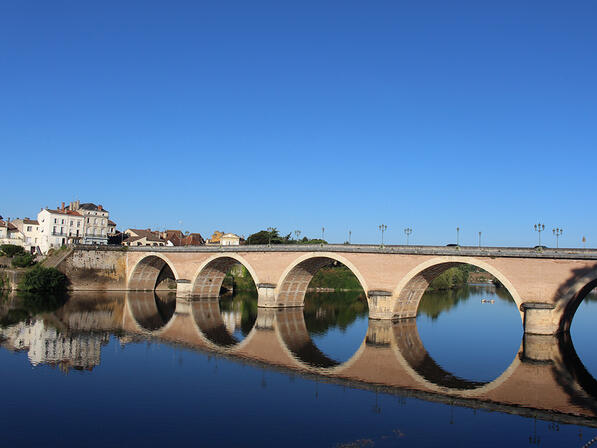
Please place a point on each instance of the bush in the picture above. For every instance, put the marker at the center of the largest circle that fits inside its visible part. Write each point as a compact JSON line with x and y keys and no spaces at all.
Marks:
{"x":40,"y":279}
{"x":10,"y":250}
{"x":23,"y":261}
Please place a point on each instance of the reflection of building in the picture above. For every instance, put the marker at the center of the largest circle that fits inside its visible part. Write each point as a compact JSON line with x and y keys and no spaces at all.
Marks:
{"x":232,"y":318}
{"x":47,"y":346}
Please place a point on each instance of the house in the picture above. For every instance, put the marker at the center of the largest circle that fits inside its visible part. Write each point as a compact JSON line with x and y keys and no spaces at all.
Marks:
{"x":10,"y":234}
{"x":143,"y":237}
{"x":111,"y":228}
{"x":229,"y":239}
{"x":215,"y":238}
{"x":59,"y":227}
{"x":31,"y":233}
{"x":193,"y":239}
{"x":96,"y":222}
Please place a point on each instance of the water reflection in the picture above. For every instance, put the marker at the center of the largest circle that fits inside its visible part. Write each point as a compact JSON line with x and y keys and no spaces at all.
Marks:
{"x":472,"y":332}
{"x":544,"y":374}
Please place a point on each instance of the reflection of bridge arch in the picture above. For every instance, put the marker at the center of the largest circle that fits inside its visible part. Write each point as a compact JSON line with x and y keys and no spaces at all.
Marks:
{"x":144,"y":275}
{"x":415,"y":359}
{"x":295,"y":279}
{"x":413,"y":285}
{"x":208,"y":278}
{"x":293,"y":336}
{"x":148,"y":314}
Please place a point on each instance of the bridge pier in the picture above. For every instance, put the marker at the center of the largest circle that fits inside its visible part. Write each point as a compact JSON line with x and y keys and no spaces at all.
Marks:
{"x":381,"y":304}
{"x":183,"y":288}
{"x":539,"y":318}
{"x":266,"y":295}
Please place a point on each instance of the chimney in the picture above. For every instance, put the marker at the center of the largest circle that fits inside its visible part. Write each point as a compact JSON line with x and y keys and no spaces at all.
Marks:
{"x":63,"y":206}
{"x":100,"y":207}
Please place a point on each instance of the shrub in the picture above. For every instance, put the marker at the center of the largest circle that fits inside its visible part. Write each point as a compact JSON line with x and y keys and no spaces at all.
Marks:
{"x":23,"y":261}
{"x":40,"y":279}
{"x":10,"y":250}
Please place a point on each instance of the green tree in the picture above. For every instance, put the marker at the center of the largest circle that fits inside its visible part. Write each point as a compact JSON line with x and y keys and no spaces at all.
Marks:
{"x":23,"y":260}
{"x":10,"y":250}
{"x":40,"y":279}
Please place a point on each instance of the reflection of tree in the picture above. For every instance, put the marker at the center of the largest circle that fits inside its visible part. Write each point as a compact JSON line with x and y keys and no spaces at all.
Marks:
{"x":244,"y":302}
{"x":26,"y":305}
{"x":325,"y":310}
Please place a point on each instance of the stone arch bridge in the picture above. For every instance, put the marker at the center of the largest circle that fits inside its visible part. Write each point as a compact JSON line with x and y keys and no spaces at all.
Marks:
{"x":546,"y":285}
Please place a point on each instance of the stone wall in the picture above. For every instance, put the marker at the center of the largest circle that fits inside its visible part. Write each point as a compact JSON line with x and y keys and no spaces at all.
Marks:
{"x":95,"y":270}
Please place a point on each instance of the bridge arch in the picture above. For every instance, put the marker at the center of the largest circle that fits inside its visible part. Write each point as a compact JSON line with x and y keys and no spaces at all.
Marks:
{"x":412,"y":286}
{"x":208,"y":278}
{"x":145,"y":273}
{"x":573,"y":297}
{"x":295,"y":279}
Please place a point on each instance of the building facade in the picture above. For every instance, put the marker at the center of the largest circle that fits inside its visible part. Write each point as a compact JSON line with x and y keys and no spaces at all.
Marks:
{"x":96,"y":222}
{"x":59,"y":227}
{"x":29,"y":228}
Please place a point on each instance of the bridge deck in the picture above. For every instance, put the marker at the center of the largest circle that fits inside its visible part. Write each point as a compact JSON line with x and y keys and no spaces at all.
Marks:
{"x":469,"y":251}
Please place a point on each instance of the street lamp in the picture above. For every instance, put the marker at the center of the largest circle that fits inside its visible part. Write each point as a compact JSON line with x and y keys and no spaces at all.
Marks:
{"x":458,"y":236}
{"x":382,"y":228}
{"x":479,"y":239}
{"x":539,"y":228}
{"x":408,"y":231}
{"x":557,"y":232}
{"x":349,"y":235}
{"x":322,"y":232}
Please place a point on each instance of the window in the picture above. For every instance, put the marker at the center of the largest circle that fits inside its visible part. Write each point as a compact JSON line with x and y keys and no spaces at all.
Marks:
{"x":55,"y":221}
{"x":87,"y":220}
{"x":78,"y":223}
{"x":29,"y":228}
{"x":54,"y":229}
{"x":62,"y":221}
{"x":61,"y":230}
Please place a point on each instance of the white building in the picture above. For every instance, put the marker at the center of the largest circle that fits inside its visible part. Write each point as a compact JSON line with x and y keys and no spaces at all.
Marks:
{"x":97,"y":225}
{"x":29,"y":228}
{"x":59,"y":227}
{"x":229,"y":239}
{"x":9,"y":234}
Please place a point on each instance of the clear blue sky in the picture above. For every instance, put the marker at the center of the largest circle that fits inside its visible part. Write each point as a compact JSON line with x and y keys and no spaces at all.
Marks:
{"x":240,"y":115}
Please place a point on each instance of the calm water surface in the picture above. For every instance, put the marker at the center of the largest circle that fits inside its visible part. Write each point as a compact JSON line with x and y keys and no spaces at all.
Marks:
{"x":123,"y":370}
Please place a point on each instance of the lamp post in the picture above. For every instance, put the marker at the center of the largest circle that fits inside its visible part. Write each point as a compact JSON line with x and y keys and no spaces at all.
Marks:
{"x":382,"y":228}
{"x":322,"y":233}
{"x":408,"y":231}
{"x":458,"y":236}
{"x":539,"y":228}
{"x":557,"y":233}
{"x":584,"y":242}
{"x":297,"y":233}
{"x":349,"y":235}
{"x":479,"y":239}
